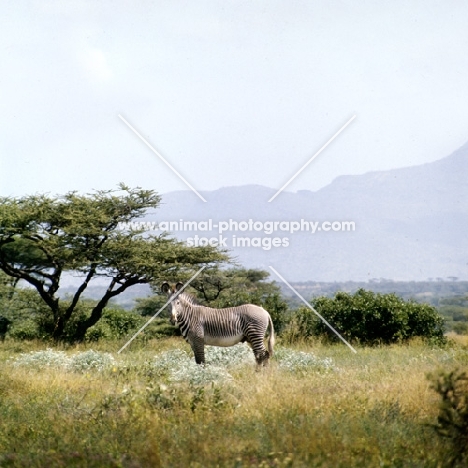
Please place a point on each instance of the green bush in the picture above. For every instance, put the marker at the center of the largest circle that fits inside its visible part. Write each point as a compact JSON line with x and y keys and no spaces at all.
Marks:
{"x":424,"y":321}
{"x":369,"y":318}
{"x":115,"y":324}
{"x":120,"y":323}
{"x":148,"y":306}
{"x":277,"y":309}
{"x":25,"y":311}
{"x":452,"y":421}
{"x":303,"y":325}
{"x":25,"y":330}
{"x":100,"y":331}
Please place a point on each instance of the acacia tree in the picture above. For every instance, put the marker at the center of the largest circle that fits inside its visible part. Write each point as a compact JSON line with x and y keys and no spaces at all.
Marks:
{"x":42,"y":237}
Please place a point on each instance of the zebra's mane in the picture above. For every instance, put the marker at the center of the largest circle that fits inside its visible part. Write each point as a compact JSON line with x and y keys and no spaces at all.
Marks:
{"x":187,"y":297}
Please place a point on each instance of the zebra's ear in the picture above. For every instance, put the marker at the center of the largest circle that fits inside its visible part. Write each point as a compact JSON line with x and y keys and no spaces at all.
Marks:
{"x":178,"y":285}
{"x":165,"y":287}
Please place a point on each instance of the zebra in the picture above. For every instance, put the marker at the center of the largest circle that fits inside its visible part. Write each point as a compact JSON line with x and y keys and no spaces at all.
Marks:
{"x":201,"y":325}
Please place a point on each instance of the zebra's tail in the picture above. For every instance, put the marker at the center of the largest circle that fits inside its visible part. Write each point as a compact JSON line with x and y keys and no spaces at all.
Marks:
{"x":271,"y":338}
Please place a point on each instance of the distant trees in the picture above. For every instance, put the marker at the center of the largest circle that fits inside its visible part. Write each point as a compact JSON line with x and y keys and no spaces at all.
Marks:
{"x":455,"y":311}
{"x":42,"y":237}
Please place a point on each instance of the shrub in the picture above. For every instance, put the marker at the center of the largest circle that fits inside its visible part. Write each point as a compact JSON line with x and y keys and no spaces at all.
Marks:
{"x":79,"y":362}
{"x":39,"y":360}
{"x":179,"y":366}
{"x":278,"y":309}
{"x":303,"y":325}
{"x":424,"y":320}
{"x":87,"y":360}
{"x":25,"y":312}
{"x":452,"y":421}
{"x":25,"y":330}
{"x":120,"y":322}
{"x":197,"y":375}
{"x":100,"y":331}
{"x":148,"y":306}
{"x":369,"y":318}
{"x":300,"y":361}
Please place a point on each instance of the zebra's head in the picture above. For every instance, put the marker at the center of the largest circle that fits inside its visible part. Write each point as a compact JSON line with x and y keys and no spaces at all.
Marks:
{"x":171,"y":291}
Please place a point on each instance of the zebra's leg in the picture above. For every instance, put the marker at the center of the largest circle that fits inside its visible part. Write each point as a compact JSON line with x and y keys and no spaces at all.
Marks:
{"x":198,"y":347}
{"x":257,"y":354}
{"x":261,"y":354}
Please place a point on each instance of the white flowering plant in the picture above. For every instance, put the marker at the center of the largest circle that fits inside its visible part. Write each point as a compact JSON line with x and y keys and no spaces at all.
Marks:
{"x":79,"y":362}
{"x":300,"y":361}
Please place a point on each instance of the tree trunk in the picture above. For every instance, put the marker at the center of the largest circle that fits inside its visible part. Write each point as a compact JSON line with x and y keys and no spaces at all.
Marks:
{"x":96,"y":315}
{"x":57,"y":334}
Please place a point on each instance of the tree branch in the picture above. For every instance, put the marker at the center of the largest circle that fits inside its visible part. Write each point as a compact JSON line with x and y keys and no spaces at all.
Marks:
{"x":96,"y":313}
{"x":38,"y":284}
{"x":79,"y":292}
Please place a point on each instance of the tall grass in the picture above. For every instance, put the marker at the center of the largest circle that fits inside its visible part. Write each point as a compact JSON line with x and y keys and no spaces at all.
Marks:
{"x":316,"y":405}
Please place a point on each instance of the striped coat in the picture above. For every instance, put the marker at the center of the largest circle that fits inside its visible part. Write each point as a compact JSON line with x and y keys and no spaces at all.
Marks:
{"x":201,"y":325}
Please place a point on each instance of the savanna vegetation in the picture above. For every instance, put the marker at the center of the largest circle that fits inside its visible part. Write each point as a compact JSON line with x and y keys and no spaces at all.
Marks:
{"x":316,"y":405}
{"x":43,"y":237}
{"x":447,"y":295}
{"x":67,"y":398}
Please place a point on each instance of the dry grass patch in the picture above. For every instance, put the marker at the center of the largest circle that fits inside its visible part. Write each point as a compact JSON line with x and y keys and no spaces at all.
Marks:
{"x":316,"y":405}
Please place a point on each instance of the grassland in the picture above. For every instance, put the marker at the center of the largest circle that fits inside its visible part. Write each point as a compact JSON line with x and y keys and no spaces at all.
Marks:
{"x":316,"y":405}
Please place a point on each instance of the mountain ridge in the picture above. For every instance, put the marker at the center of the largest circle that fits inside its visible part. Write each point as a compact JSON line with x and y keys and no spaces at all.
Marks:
{"x":410,"y":223}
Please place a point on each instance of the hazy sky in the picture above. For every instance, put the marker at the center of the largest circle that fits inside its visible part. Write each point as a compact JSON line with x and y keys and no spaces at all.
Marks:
{"x":230,"y":92}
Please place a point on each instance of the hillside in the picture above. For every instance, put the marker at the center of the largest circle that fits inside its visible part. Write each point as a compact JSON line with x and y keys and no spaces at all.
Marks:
{"x":410,"y":223}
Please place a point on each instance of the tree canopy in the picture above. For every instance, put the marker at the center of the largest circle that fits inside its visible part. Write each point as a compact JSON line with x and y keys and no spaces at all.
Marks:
{"x":42,"y":237}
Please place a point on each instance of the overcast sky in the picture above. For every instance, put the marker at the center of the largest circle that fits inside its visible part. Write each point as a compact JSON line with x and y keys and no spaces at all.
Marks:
{"x":230,"y":92}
